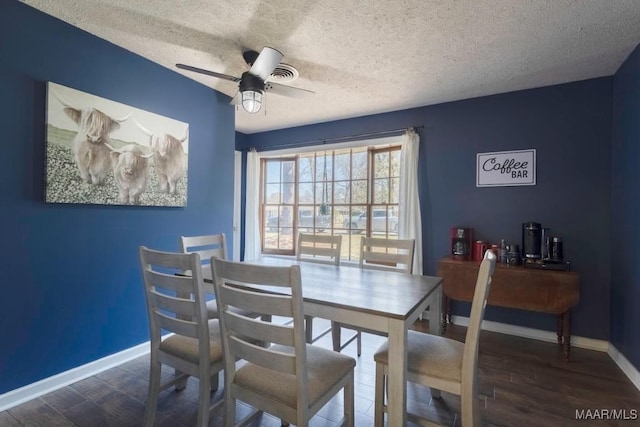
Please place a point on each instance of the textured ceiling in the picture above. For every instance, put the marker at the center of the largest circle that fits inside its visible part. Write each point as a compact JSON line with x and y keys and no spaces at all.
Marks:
{"x":364,"y":57}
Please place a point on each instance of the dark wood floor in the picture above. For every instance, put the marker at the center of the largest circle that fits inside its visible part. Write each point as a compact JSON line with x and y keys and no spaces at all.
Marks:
{"x":522,"y":383}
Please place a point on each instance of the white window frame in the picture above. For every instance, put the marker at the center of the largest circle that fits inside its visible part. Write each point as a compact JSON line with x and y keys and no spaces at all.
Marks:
{"x":375,"y":143}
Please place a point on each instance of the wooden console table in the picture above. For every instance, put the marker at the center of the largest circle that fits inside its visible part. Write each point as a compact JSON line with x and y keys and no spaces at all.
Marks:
{"x":545,"y":291}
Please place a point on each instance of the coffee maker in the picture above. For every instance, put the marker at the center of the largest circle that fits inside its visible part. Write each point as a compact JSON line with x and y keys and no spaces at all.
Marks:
{"x":540,"y":249}
{"x":531,"y":241}
{"x":461,"y":241}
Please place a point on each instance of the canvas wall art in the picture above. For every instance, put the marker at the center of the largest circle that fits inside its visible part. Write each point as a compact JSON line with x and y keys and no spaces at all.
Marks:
{"x":103,"y":152}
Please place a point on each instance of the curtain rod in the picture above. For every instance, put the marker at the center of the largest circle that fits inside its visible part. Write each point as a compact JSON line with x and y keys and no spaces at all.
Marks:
{"x":339,"y":139}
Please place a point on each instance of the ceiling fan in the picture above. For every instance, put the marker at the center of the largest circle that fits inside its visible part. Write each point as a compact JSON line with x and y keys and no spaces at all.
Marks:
{"x":253,"y":83}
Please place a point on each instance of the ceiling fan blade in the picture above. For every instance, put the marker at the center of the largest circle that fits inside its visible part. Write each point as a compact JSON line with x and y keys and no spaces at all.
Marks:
{"x":208,"y":73}
{"x":290,"y":91}
{"x":236,"y":99}
{"x":266,"y":62}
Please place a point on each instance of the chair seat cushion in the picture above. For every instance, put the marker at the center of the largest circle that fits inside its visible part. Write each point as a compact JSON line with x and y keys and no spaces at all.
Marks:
{"x":187,"y":347}
{"x":325,"y":369}
{"x":429,"y":355}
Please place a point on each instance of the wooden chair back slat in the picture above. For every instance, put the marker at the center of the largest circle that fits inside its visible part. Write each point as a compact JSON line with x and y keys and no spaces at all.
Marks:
{"x":261,"y":356}
{"x":260,"y":330}
{"x":387,"y":254}
{"x":208,"y":246}
{"x":170,"y":281}
{"x":255,"y":301}
{"x":177,"y":326}
{"x":319,"y":248}
{"x":180,"y":306}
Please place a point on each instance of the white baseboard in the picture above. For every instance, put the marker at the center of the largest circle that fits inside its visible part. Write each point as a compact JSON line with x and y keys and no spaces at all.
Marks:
{"x":627,"y":367}
{"x":588,"y":343}
{"x":536,"y":334}
{"x":47,"y":385}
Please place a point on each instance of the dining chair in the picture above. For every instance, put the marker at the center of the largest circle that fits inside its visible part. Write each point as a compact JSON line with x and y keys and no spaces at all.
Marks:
{"x":207,"y":246}
{"x":176,"y":304}
{"x":291,"y":379}
{"x":378,"y":254}
{"x":443,"y":364}
{"x":320,"y":249}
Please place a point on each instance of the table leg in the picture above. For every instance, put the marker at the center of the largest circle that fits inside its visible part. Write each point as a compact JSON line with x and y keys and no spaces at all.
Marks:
{"x":336,"y":330}
{"x":566,"y":333}
{"x":446,"y":312}
{"x":559,"y":326}
{"x":396,"y":381}
{"x":435,"y":307}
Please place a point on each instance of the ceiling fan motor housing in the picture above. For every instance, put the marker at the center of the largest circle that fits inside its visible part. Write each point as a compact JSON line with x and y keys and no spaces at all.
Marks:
{"x":251,"y":82}
{"x":250,"y":57}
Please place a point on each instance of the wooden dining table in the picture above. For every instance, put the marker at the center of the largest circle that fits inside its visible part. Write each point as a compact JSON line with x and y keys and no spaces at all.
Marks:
{"x":382,"y":301}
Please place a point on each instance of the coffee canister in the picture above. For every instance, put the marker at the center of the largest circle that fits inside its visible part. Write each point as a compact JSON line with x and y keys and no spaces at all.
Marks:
{"x":556,"y":249}
{"x":513,"y":255}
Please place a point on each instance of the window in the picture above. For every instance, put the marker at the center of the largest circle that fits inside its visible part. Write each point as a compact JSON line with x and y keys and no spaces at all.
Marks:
{"x":348,"y":191}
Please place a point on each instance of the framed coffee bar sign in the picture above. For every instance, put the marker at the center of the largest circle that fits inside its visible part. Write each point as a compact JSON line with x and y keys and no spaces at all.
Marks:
{"x":506,"y":168}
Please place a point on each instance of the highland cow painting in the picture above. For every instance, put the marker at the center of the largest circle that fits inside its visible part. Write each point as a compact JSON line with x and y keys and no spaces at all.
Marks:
{"x":104,"y":152}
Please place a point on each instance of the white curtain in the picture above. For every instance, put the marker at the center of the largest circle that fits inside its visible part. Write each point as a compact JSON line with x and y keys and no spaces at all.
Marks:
{"x":252,"y":245}
{"x":410,"y":221}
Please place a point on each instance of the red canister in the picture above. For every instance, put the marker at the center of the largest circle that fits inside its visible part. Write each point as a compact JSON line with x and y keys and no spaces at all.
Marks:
{"x":479,"y":248}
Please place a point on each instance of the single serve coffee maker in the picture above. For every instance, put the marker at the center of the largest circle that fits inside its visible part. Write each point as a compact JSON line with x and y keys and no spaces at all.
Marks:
{"x":461,"y":241}
{"x":531,"y":241}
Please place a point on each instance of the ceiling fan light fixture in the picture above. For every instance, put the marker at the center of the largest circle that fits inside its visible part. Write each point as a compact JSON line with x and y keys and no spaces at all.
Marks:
{"x":251,"y":101}
{"x":251,"y":91}
{"x":264,"y":66}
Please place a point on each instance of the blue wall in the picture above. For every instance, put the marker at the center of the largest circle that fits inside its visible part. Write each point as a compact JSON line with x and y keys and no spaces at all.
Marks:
{"x":71,"y":288}
{"x":569,"y":126}
{"x":625,"y":202}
